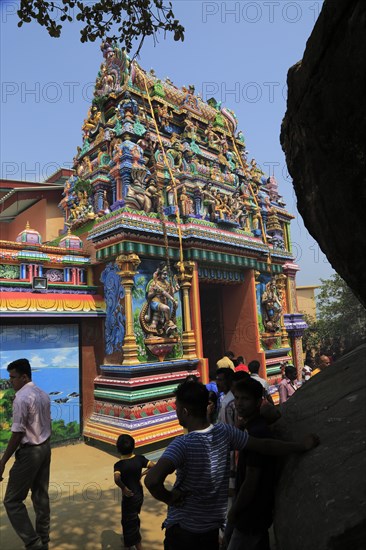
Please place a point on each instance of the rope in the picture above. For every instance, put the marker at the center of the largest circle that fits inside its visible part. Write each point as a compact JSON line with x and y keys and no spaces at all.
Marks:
{"x":173,"y":185}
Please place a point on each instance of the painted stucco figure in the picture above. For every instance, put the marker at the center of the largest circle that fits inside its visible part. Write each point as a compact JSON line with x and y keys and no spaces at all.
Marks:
{"x":157,"y":316}
{"x":272,"y":307}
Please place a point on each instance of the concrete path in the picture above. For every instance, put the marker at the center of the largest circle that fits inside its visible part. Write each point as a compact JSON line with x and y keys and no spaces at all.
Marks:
{"x":86,"y":504}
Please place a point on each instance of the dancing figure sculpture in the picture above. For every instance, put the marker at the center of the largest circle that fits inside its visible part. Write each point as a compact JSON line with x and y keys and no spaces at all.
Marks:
{"x":158,"y":314}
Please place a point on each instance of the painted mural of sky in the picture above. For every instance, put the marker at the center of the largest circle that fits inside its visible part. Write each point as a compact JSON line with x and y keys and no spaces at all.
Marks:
{"x":237,"y":52}
{"x":53,"y":352}
{"x":44,"y":346}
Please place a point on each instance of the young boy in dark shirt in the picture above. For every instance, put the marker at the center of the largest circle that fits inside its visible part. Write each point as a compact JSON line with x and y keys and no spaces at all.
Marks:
{"x":252,"y":511}
{"x":127,"y":475}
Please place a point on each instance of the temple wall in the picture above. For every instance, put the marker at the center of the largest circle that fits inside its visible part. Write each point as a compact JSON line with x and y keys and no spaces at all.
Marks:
{"x":36,"y":215}
{"x":240,"y":320}
{"x":92,"y":355}
{"x":54,"y":222}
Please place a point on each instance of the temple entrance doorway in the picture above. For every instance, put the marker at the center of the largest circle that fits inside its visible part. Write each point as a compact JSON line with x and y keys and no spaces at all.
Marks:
{"x":212,"y":323}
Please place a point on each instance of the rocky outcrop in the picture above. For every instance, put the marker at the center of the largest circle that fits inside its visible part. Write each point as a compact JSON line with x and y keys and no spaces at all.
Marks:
{"x":324,"y":136}
{"x":320,"y":500}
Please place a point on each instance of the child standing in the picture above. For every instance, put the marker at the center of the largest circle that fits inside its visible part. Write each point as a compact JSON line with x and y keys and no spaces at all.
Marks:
{"x":127,"y":475}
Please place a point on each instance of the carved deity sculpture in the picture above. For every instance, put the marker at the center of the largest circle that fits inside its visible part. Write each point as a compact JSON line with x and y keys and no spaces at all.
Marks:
{"x":105,"y":82}
{"x":105,"y":205}
{"x":224,"y":146}
{"x":222,"y":206}
{"x":256,"y":218}
{"x":176,"y":153}
{"x":185,"y":202}
{"x":158,"y":314}
{"x":208,"y":202}
{"x":153,"y":195}
{"x":255,"y":172}
{"x":272,"y":307}
{"x":145,"y":142}
{"x":190,"y":129}
{"x":211,"y":138}
{"x":240,"y":137}
{"x":239,"y":211}
{"x":91,"y":123}
{"x":164,"y":116}
{"x":128,"y":107}
{"x":81,"y":207}
{"x":137,"y":196}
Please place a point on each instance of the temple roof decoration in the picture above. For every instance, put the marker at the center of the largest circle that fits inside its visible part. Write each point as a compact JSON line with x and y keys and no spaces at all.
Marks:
{"x":29,"y":236}
{"x":50,"y":305}
{"x":154,"y":150}
{"x":70,"y":241}
{"x":273,"y":223}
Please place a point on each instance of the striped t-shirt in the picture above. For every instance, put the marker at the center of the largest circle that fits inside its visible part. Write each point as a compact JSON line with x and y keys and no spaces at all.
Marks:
{"x":202,"y":462}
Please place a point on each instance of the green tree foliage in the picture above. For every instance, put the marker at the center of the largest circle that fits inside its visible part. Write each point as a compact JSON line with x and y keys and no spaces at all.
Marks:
{"x":341,"y":324}
{"x":124,"y":20}
{"x":62,"y":431}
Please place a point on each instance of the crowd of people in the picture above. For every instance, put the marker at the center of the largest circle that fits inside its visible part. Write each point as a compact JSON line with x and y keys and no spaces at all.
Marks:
{"x":223,"y":496}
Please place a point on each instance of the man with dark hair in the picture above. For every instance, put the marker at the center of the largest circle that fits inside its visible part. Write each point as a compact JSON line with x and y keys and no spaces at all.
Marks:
{"x":252,"y":511}
{"x":31,"y":431}
{"x":226,"y":362}
{"x":287,"y":386}
{"x":201,"y":458}
{"x":254,"y":367}
{"x":224,"y":380}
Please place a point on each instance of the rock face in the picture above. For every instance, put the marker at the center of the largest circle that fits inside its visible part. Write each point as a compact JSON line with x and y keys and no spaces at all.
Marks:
{"x":320,"y":500}
{"x":324,"y":137}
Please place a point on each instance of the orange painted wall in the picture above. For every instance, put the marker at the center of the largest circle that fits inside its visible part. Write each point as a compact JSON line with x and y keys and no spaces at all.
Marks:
{"x":54,"y":222}
{"x":240,"y":320}
{"x":92,"y":355}
{"x":4,"y":231}
{"x":35,"y":215}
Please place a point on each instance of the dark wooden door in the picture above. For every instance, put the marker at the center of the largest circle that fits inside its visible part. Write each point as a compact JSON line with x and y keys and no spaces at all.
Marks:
{"x":212,"y":323}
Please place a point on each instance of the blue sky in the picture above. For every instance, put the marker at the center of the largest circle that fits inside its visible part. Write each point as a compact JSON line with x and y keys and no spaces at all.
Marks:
{"x":238,"y":52}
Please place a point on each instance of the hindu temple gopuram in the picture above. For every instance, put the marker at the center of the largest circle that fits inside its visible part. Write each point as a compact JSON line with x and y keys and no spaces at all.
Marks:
{"x":175,"y":247}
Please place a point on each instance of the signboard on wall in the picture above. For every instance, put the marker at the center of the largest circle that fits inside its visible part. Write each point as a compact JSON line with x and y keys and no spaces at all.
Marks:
{"x":53,"y":352}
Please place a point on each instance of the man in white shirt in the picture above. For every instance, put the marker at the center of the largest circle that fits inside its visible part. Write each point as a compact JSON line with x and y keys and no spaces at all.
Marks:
{"x":254,"y":367}
{"x":224,"y":380}
{"x":31,"y":431}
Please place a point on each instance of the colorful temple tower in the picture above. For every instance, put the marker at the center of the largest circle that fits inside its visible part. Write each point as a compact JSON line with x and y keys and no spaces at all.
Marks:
{"x":190,"y":246}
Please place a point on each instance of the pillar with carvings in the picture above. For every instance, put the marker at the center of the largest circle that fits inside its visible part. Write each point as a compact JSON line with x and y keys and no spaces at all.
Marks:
{"x":116,"y":175}
{"x":185,"y":274}
{"x":128,"y":264}
{"x":294,"y":321}
{"x":281,"y":288}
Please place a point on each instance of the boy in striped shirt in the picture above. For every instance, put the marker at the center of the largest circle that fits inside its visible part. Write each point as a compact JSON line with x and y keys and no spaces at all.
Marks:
{"x":201,"y":458}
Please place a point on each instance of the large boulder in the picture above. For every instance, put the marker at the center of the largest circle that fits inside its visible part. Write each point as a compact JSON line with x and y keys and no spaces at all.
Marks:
{"x":324,"y":137}
{"x":320,"y":499}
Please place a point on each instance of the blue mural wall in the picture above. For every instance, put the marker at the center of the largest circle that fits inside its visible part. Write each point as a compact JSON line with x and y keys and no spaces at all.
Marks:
{"x":53,"y":352}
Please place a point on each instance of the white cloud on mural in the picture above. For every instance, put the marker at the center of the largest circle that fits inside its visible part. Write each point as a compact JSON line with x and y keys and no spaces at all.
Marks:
{"x":37,"y":362}
{"x":66,"y":357}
